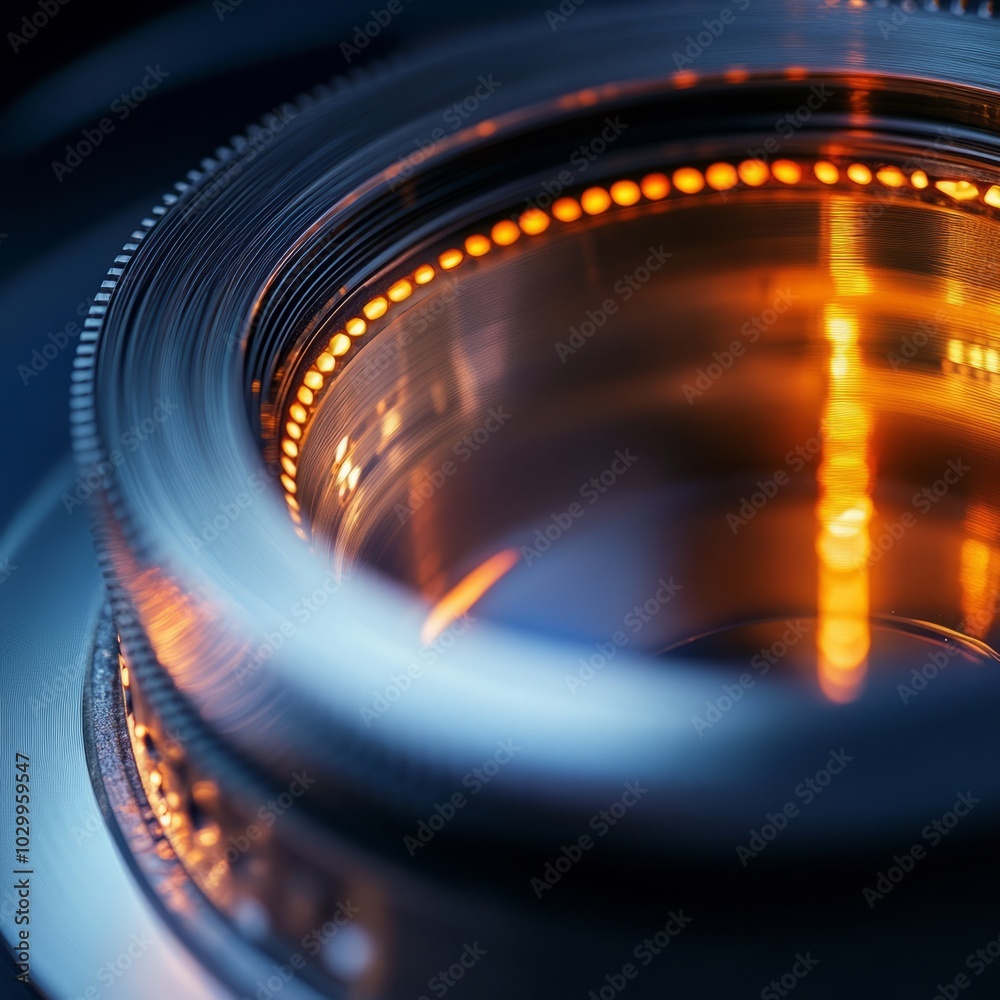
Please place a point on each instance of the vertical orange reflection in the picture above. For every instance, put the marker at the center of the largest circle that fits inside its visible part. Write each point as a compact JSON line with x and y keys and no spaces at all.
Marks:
{"x":843,"y":513}
{"x":979,"y":570}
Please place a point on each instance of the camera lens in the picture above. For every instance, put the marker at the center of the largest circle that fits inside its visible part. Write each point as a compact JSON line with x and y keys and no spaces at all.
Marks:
{"x":577,"y":482}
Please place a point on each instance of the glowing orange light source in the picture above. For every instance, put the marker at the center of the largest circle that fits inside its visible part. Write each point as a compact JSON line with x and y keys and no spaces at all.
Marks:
{"x":534,"y":221}
{"x":595,"y":200}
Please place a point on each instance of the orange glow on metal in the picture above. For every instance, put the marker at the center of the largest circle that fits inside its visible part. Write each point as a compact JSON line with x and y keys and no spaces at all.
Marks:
{"x":595,"y":200}
{"x":688,"y":180}
{"x":859,"y":173}
{"x":567,"y":210}
{"x":504,"y":233}
{"x":851,"y":276}
{"x":400,"y":291}
{"x":786,"y":171}
{"x":339,"y":345}
{"x":722,"y":176}
{"x":826,"y":172}
{"x":533,"y":222}
{"x":478,"y":245}
{"x":376,"y":308}
{"x":466,"y":593}
{"x":843,"y":514}
{"x":625,"y":193}
{"x":753,"y":173}
{"x":655,"y":187}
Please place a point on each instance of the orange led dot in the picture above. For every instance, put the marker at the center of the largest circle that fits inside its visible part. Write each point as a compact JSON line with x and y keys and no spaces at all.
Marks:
{"x":344,"y":471}
{"x":655,"y":186}
{"x":376,"y":308}
{"x":293,"y":430}
{"x":290,"y":448}
{"x":477,"y":245}
{"x":796,"y":72}
{"x":125,"y":681}
{"x":355,"y":327}
{"x":313,"y":379}
{"x":721,"y":176}
{"x":736,"y":75}
{"x":625,"y":192}
{"x":786,"y":171}
{"x":401,"y":290}
{"x":685,"y":78}
{"x":298,"y":413}
{"x":140,"y":731}
{"x":891,"y":177}
{"x":288,"y":482}
{"x":504,"y":233}
{"x":959,"y":190}
{"x":992,"y":197}
{"x":305,"y":396}
{"x":288,"y":465}
{"x":339,"y":345}
{"x":352,"y":479}
{"x":450,"y":259}
{"x":326,"y":362}
{"x":423,"y":274}
{"x":826,"y":172}
{"x":567,"y":210}
{"x":919,"y":179}
{"x":595,"y":200}
{"x":753,"y":173}
{"x":688,"y":180}
{"x":534,"y":221}
{"x":292,"y":503}
{"x":859,"y":173}
{"x":302,"y":534}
